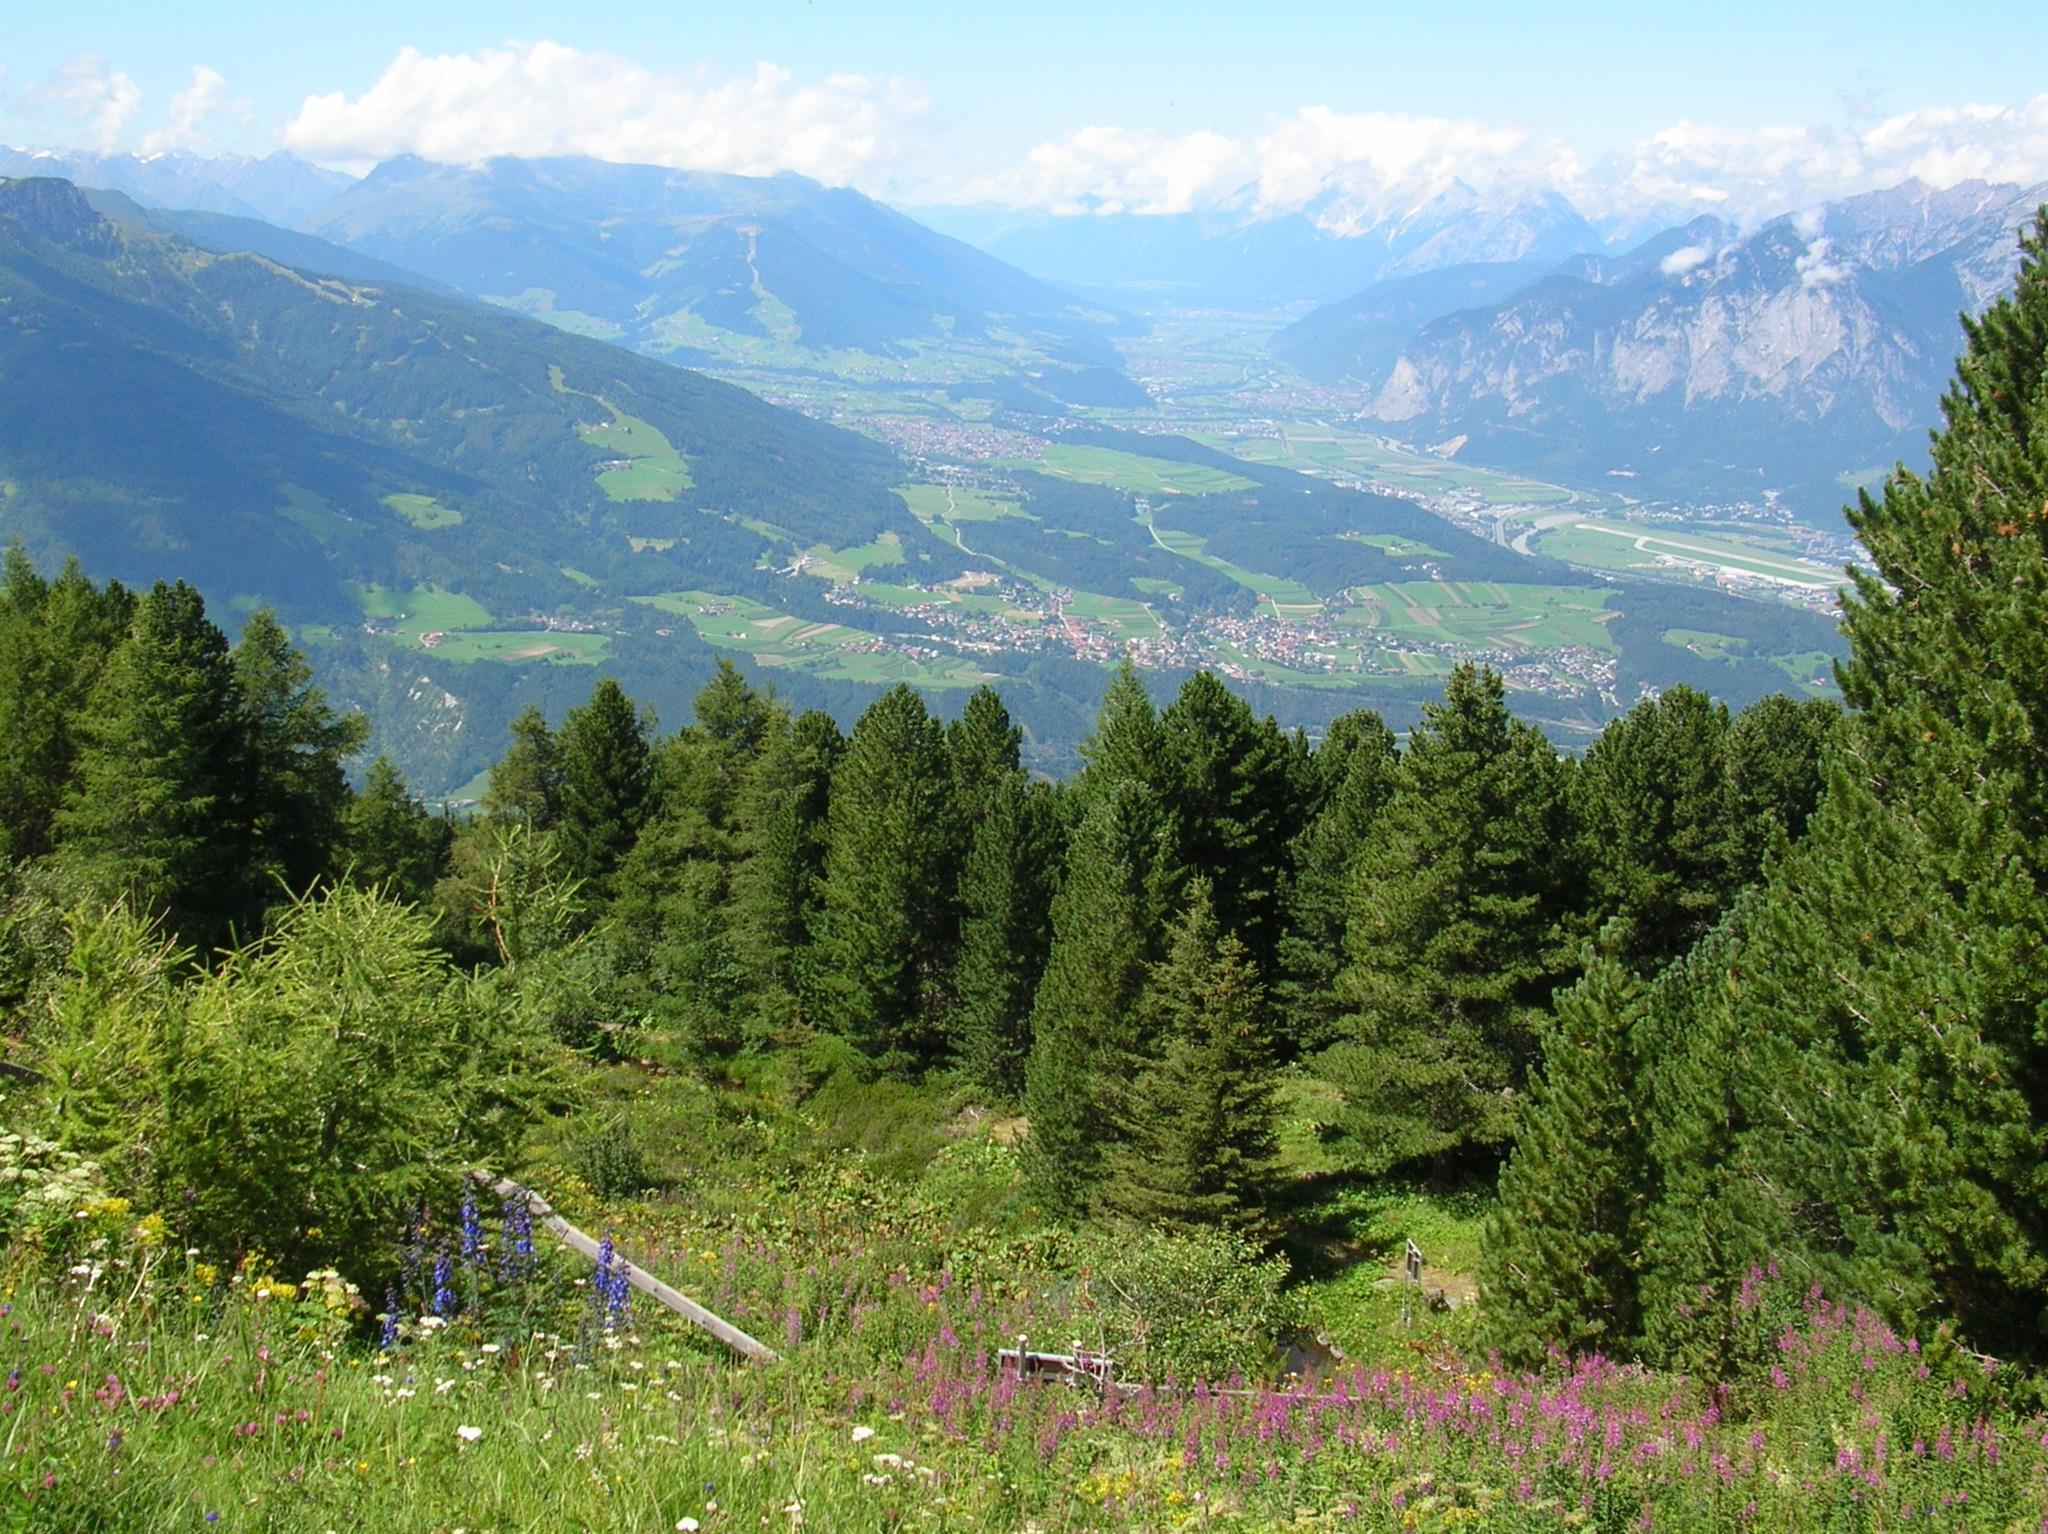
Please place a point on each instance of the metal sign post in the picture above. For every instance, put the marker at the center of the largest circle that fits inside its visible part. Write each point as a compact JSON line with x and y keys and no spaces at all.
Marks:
{"x":1411,"y":1283}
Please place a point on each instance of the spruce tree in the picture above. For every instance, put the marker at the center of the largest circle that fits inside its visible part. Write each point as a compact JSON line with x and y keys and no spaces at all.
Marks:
{"x":295,"y":790}
{"x":607,"y":792}
{"x":154,"y":810}
{"x":526,"y":782}
{"x":886,"y":926}
{"x":1106,"y":921}
{"x":1562,"y":1242}
{"x":1463,"y":919}
{"x":1197,"y":1121}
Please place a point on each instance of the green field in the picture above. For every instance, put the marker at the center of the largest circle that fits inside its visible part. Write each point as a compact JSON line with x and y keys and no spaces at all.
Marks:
{"x":580,"y":577}
{"x":1487,"y":614}
{"x":423,"y":511}
{"x":1400,"y":548}
{"x":1131,"y":471}
{"x":645,"y":467}
{"x":1125,"y":619}
{"x":843,"y":566}
{"x":834,"y":651}
{"x":422,"y":610}
{"x":1288,"y":598}
{"x":938,"y":503}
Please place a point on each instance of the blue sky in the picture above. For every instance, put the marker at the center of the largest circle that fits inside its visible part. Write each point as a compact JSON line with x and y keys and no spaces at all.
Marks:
{"x":996,"y":101}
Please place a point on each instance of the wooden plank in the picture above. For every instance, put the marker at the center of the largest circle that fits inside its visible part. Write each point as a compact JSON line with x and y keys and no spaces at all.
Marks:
{"x":640,"y":1279}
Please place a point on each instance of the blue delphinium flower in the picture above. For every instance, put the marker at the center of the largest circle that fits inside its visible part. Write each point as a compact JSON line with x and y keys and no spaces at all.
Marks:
{"x":472,"y":1234}
{"x":444,"y":1296}
{"x":515,"y":1262}
{"x":389,"y":1339}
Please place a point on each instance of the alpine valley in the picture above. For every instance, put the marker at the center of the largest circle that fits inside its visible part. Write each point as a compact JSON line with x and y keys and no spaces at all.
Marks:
{"x":473,"y":430}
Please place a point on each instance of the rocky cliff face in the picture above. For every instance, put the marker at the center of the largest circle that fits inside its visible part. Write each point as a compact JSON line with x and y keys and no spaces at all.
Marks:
{"x":1700,"y":365}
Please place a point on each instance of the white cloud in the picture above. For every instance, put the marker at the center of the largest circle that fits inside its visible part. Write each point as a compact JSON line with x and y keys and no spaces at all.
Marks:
{"x":86,"y":94}
{"x":1351,"y":162}
{"x":1684,"y":260}
{"x":1816,"y":270}
{"x":205,"y":96}
{"x":546,"y":99}
{"x":1351,"y":167}
{"x":1760,"y":172}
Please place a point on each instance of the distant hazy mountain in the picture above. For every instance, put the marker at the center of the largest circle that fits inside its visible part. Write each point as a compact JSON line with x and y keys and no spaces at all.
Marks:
{"x":228,"y":234}
{"x":1697,"y":364}
{"x":279,"y":188}
{"x":697,"y":265}
{"x":1241,"y":259}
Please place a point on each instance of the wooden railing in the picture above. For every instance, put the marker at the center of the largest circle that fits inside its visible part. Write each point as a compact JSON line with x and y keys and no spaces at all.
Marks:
{"x":639,"y":1278}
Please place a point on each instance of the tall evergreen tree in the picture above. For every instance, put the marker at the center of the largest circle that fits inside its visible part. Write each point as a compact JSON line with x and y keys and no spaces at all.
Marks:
{"x":1349,"y":779}
{"x":1125,"y":744}
{"x":1003,"y":893}
{"x":526,"y":782}
{"x":55,"y":638}
{"x":1562,"y":1242}
{"x":394,"y":843}
{"x":1462,"y":922}
{"x":1229,"y":781}
{"x":607,"y":783}
{"x":1197,"y":1121}
{"x":1106,"y":921}
{"x":885,"y":927}
{"x":295,"y":791}
{"x":1005,"y":932}
{"x":154,"y":808}
{"x":782,"y":821}
{"x":1776,"y":763}
{"x":1665,"y":845}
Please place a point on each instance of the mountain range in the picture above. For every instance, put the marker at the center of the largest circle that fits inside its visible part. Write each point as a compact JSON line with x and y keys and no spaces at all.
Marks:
{"x":1789,"y":363}
{"x":1239,"y":257}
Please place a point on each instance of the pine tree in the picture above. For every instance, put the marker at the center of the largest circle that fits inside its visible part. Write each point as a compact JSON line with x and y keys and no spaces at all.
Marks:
{"x":55,"y":638}
{"x":1777,"y":771}
{"x":886,"y":926}
{"x":1125,"y":744}
{"x":1348,"y":783}
{"x":526,"y":782}
{"x":1197,"y":1122}
{"x":1665,"y":844}
{"x":1002,"y":895}
{"x":154,"y":808}
{"x":781,"y":835}
{"x":1228,"y":781}
{"x":295,"y":790}
{"x":1005,"y":933}
{"x":1558,"y":1263}
{"x":983,"y":746}
{"x":393,"y":842}
{"x":1462,"y":922}
{"x":607,"y":783}
{"x":1106,"y":921}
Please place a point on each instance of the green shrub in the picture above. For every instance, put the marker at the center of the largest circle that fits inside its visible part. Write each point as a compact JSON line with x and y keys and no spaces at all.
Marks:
{"x":1201,"y":1305}
{"x":608,"y":1160}
{"x":304,"y":1095}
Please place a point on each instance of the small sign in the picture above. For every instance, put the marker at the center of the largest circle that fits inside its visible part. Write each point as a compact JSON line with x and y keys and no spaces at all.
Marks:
{"x":1414,"y":1263}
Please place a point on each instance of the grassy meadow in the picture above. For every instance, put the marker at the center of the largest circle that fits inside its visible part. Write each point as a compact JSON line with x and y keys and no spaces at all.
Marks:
{"x":879,"y":1239}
